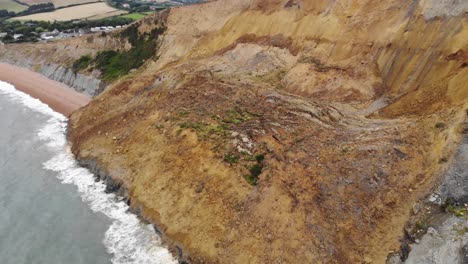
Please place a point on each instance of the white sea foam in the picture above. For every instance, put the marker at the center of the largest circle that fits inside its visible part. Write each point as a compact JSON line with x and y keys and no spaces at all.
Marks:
{"x":127,"y":239}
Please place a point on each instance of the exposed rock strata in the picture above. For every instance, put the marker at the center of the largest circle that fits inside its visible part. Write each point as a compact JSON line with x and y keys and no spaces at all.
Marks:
{"x":87,"y":84}
{"x":437,"y":234}
{"x":443,"y":244}
{"x":54,"y":60}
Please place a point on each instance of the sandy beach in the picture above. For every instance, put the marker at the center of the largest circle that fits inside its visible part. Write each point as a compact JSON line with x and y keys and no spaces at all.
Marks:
{"x":58,"y":96}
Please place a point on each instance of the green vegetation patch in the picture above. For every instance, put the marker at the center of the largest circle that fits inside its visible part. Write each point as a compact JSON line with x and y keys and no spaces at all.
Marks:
{"x":205,"y":130}
{"x":462,"y":231}
{"x":134,"y":16}
{"x":114,"y":64}
{"x":255,"y":170}
{"x":420,"y":227}
{"x":231,"y":158}
{"x":81,"y":63}
{"x":459,"y":211}
{"x":219,"y":129}
{"x":237,"y":116}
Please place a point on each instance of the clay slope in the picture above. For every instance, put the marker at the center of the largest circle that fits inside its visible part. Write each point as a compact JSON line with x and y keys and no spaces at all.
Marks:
{"x":348,"y":111}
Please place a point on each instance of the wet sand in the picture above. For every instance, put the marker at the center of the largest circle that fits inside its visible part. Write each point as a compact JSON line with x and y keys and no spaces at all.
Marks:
{"x":58,"y":96}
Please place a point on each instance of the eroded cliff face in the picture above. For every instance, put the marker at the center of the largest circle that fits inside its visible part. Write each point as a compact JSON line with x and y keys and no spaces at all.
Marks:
{"x":54,"y":60}
{"x":349,"y":111}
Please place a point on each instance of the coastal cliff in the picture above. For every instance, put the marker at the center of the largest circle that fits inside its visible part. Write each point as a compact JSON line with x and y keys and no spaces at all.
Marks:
{"x":54,"y":60}
{"x":282,"y":131}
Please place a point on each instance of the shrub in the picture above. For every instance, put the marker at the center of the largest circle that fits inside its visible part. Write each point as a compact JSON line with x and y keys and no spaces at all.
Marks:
{"x":231,"y":158}
{"x":251,"y":179}
{"x":458,"y":211}
{"x":256,"y":169}
{"x":440,"y":125}
{"x":420,"y":227}
{"x":114,"y":64}
{"x":81,"y":63}
{"x":260,"y":157}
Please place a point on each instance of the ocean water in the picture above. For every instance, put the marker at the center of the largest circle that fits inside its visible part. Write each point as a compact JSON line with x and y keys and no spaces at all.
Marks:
{"x":51,"y":210}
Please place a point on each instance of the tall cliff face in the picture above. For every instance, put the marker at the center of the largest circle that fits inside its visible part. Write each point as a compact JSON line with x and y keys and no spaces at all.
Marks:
{"x":286,"y":131}
{"x":391,"y":47}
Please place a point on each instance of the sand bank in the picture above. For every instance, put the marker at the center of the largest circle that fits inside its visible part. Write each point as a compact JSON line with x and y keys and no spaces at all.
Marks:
{"x":58,"y":96}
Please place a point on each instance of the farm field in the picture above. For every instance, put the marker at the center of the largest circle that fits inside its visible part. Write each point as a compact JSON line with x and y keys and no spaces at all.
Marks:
{"x":11,"y":5}
{"x":134,"y":16}
{"x":114,"y":13}
{"x":89,"y":11}
{"x":57,"y":3}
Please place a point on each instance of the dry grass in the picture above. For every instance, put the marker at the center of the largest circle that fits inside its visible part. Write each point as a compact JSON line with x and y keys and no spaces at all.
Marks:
{"x":100,"y":10}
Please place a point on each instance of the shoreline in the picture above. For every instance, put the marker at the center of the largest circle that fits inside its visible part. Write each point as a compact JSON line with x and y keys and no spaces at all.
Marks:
{"x":116,"y":186}
{"x":64,"y":100}
{"x":94,"y":193}
{"x":58,"y":96}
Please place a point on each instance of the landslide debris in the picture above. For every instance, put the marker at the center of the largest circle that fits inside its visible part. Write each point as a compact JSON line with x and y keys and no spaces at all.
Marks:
{"x":285,"y":131}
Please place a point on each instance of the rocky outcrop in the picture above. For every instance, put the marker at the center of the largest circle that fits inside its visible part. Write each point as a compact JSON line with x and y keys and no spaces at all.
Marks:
{"x":87,"y":84}
{"x":54,"y":60}
{"x":442,"y":244}
{"x":440,"y":234}
{"x":454,"y":189}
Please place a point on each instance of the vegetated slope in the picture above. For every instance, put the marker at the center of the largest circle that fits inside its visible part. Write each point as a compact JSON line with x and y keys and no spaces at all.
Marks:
{"x":285,"y":131}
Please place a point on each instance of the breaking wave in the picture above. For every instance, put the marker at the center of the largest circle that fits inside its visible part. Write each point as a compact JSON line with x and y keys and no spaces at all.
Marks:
{"x":127,"y":239}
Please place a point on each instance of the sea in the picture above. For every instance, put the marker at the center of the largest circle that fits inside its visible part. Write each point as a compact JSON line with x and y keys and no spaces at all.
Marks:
{"x":53,"y":211}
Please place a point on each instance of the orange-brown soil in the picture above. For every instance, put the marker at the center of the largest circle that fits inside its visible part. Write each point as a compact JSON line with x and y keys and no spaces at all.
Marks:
{"x":356,"y":107}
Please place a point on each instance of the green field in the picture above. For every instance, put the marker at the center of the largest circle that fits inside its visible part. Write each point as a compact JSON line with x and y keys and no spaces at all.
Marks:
{"x":10,"y":5}
{"x":134,"y":16}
